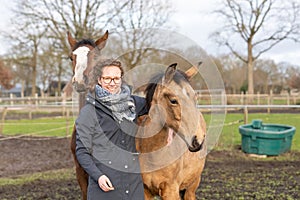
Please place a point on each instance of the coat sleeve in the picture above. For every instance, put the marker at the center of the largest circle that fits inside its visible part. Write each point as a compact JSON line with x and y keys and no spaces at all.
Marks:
{"x":85,"y":125}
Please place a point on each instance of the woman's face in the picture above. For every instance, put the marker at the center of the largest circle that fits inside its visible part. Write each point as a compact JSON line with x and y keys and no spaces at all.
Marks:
{"x":111,"y":79}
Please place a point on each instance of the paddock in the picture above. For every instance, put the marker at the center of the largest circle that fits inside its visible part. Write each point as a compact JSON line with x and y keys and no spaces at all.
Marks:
{"x":41,"y":167}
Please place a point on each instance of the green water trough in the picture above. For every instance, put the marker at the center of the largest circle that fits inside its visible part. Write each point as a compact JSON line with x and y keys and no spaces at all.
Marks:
{"x":266,"y":139}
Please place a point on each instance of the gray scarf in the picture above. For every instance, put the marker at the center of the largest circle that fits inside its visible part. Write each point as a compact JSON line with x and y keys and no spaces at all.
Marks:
{"x":121,"y":105}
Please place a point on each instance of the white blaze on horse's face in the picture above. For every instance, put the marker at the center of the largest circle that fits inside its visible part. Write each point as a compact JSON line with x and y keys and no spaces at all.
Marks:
{"x":81,"y":64}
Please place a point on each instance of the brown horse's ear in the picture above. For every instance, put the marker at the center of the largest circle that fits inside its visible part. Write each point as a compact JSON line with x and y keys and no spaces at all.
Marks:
{"x":101,"y":42}
{"x":170,"y":73}
{"x":71,"y":40}
{"x":192,"y":71}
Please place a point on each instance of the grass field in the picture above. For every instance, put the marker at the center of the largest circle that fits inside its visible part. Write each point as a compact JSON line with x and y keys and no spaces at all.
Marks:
{"x":58,"y":126}
{"x":229,"y":136}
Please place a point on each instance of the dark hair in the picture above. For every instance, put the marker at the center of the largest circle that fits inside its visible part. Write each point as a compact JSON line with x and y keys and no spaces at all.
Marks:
{"x":98,"y":70}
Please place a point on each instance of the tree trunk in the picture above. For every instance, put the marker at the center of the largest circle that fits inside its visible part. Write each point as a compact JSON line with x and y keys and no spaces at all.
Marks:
{"x":59,"y":77}
{"x":250,"y":69}
{"x":34,"y":63}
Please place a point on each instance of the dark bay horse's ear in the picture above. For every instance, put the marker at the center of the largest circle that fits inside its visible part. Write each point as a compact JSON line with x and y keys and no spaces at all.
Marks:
{"x":71,"y":40}
{"x":101,"y":42}
{"x":170,"y":73}
{"x":192,"y":71}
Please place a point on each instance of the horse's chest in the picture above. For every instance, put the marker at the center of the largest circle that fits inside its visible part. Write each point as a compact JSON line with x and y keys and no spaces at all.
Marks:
{"x":167,"y":174}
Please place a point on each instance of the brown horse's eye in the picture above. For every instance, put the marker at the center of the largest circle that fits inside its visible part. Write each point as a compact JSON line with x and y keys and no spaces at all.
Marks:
{"x":173,"y":101}
{"x":71,"y":58}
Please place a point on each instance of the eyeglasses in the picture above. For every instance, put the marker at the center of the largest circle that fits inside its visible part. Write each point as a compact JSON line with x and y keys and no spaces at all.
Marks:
{"x":108,"y":80}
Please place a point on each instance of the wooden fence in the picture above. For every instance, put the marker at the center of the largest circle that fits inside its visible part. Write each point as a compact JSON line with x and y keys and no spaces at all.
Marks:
{"x":205,"y":102}
{"x":207,"y":98}
{"x":245,"y":109}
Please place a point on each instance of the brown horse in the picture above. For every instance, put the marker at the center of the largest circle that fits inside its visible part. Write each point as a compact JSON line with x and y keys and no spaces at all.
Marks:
{"x":171,"y":139}
{"x":83,"y":52}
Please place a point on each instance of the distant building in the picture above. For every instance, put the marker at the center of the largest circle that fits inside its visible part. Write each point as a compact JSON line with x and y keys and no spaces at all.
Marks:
{"x":15,"y":91}
{"x":52,"y":89}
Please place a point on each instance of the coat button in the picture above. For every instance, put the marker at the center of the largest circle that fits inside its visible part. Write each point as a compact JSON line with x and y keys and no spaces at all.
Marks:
{"x":109,"y":162}
{"x":126,"y":166}
{"x":127,"y":191}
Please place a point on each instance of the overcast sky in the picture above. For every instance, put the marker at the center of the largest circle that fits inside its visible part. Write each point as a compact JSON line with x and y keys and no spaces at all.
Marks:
{"x":194,"y":20}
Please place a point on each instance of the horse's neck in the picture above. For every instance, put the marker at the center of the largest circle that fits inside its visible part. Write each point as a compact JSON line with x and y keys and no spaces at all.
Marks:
{"x":81,"y":99}
{"x":153,"y":135}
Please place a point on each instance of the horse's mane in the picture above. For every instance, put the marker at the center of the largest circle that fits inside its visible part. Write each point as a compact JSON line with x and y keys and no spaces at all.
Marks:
{"x":84,"y":42}
{"x":155,"y":80}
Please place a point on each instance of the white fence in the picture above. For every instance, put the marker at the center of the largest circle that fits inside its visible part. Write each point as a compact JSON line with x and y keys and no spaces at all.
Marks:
{"x":245,"y":108}
{"x":206,"y":97}
{"x":206,"y":103}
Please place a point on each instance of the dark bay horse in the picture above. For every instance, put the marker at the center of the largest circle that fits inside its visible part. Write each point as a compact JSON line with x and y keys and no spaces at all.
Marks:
{"x":171,"y":140}
{"x":83,"y":52}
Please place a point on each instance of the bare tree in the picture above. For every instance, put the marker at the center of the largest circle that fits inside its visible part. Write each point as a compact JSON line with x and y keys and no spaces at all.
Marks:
{"x":6,"y":76}
{"x":84,"y":19}
{"x":293,"y":77}
{"x":26,"y":37}
{"x":135,"y":27}
{"x":253,"y":27}
{"x":233,"y":72}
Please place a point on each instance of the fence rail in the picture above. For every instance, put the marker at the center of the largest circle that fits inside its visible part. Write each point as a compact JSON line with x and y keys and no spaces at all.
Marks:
{"x":204,"y":97}
{"x":245,"y":108}
{"x":205,"y":102}
{"x":246,"y":99}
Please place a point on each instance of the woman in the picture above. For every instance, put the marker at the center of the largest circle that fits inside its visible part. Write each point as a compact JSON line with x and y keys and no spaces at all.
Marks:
{"x":105,"y":140}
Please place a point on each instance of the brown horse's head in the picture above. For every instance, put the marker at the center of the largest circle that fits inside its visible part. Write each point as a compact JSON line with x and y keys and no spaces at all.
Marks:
{"x":171,"y":97}
{"x":81,"y":51}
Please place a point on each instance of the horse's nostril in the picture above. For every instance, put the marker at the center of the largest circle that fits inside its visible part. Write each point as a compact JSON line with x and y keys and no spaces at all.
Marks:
{"x":196,"y":146}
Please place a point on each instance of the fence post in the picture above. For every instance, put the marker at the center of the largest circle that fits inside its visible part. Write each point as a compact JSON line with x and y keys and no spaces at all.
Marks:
{"x":242,"y":98}
{"x":245,"y":115}
{"x":3,"y":119}
{"x":36,"y":101}
{"x":271,"y":97}
{"x":63,"y":102}
{"x":67,"y":123}
{"x":11,"y":96}
{"x":270,"y":101}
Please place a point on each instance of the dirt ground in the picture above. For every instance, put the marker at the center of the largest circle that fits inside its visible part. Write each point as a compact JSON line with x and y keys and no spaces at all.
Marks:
{"x":227,"y":175}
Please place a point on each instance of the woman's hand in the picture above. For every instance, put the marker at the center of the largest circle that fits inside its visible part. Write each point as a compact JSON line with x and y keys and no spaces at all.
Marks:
{"x":105,"y":184}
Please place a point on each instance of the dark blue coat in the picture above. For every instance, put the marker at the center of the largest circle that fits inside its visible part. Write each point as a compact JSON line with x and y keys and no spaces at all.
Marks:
{"x":105,"y":147}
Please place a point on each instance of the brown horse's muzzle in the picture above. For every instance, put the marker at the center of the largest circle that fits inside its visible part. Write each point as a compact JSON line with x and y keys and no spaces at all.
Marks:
{"x":195,"y":145}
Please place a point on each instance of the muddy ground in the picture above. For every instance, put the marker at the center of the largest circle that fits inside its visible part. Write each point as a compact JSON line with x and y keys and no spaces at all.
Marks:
{"x":227,"y":174}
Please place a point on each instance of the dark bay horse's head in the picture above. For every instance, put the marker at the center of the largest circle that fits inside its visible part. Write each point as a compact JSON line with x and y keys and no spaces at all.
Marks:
{"x":171,"y":97}
{"x":80,"y":53}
